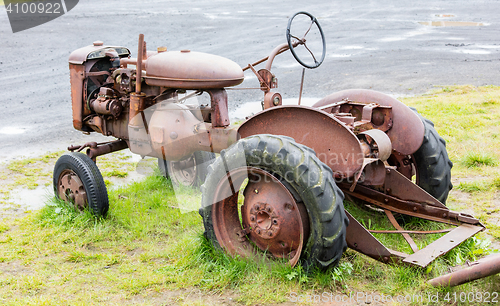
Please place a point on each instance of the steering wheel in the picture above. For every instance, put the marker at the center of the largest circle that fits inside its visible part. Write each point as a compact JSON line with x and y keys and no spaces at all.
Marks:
{"x":302,"y":41}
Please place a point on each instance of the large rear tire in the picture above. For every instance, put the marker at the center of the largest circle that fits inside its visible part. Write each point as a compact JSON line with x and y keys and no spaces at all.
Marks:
{"x":309,"y":198}
{"x":433,"y":166}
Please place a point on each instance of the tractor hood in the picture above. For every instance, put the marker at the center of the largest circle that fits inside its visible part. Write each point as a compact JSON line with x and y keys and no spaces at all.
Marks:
{"x":191,"y":70}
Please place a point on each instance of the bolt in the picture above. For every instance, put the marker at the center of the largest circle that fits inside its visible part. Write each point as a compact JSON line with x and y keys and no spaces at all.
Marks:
{"x":268,"y":209}
{"x":414,"y":209}
{"x":258,"y":231}
{"x":388,"y":171}
{"x":276,"y":101}
{"x":256,"y":191}
{"x":444,"y":215}
{"x":269,"y":233}
{"x":386,"y":200}
{"x":252,"y":218}
{"x":388,"y":190}
{"x":257,"y":206}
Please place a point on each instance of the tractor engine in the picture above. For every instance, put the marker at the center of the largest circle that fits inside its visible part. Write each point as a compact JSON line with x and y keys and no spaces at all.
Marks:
{"x":108,"y":99}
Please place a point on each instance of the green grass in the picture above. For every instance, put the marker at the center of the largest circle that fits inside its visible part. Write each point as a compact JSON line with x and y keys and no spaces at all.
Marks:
{"x":146,"y":249}
{"x":478,"y":159}
{"x":468,"y":118}
{"x":35,"y":172}
{"x":148,"y":252}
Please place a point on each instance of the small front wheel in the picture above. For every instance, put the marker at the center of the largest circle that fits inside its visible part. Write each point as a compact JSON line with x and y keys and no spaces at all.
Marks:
{"x":77,"y":180}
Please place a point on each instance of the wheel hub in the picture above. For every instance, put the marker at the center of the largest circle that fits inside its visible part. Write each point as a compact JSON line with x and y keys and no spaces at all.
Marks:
{"x":264,"y":220}
{"x":184,"y":171}
{"x":71,"y":189}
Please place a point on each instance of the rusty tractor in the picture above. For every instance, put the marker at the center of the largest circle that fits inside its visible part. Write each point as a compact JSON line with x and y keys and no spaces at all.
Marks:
{"x":280,"y":179}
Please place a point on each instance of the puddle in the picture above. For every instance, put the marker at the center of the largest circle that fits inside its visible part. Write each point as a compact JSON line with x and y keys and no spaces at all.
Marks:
{"x":452,"y":23}
{"x":340,"y":55}
{"x":11,"y":130}
{"x":32,"y":199}
{"x":445,"y":15}
{"x":351,"y":47}
{"x":477,"y":52}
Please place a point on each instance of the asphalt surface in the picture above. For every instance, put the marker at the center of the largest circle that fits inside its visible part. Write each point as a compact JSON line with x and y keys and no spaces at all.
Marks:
{"x":369,"y":45}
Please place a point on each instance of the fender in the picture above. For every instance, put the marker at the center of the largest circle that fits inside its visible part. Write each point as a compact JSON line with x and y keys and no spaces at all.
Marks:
{"x":333,"y":142}
{"x":407,"y":132}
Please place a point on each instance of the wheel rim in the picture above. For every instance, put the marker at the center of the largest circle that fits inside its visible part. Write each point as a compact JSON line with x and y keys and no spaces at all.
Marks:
{"x":184,"y":171}
{"x":271,"y":220}
{"x":70,"y":189}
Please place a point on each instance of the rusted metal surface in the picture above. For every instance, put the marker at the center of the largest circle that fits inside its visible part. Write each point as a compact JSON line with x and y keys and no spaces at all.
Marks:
{"x":70,"y":188}
{"x":136,"y":108}
{"x":379,"y":142}
{"x":271,"y":213}
{"x":220,"y":114}
{"x":272,"y":99}
{"x":363,"y":116}
{"x":403,"y":164}
{"x":77,"y":75}
{"x":192,"y":70}
{"x":271,"y":219}
{"x":279,"y":49}
{"x":443,"y":245}
{"x":106,"y":103}
{"x":406,"y":236}
{"x":221,"y":138}
{"x":446,"y":230}
{"x":398,"y":185}
{"x":265,"y":85}
{"x":95,"y":149}
{"x":268,"y":78}
{"x":373,"y":172}
{"x":174,"y":128}
{"x":333,"y":143}
{"x":415,"y":209}
{"x":106,"y":148}
{"x":359,"y":239}
{"x":138,"y":73}
{"x":407,"y":131}
{"x":471,"y":271}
